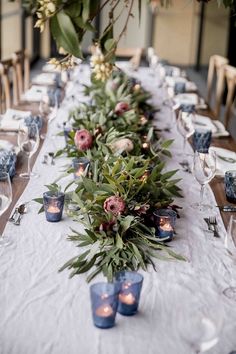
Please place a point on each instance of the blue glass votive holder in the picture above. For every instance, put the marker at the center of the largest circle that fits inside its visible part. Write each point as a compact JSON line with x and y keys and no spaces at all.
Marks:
{"x":81,"y":167}
{"x":130,"y":284}
{"x":202,"y":140}
{"x":179,"y":87}
{"x":53,"y":203}
{"x":104,"y":302}
{"x":230,"y":186}
{"x":164,"y":222}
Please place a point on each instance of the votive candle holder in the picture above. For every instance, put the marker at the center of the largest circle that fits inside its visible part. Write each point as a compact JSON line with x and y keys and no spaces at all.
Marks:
{"x":164,"y":222}
{"x":104,"y":302}
{"x":53,"y":203}
{"x":230,"y":186}
{"x":202,"y":140}
{"x":130,"y":284}
{"x":81,"y":167}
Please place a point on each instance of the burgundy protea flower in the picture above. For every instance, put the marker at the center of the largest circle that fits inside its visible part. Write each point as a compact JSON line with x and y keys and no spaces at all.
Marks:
{"x":107,"y":226}
{"x":114,"y":205}
{"x":83,"y":139}
{"x":121,"y":108}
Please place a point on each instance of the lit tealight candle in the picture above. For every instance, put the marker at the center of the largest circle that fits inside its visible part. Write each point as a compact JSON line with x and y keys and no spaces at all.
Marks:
{"x":127,"y":299}
{"x":80,"y":171}
{"x":53,"y":209}
{"x":166,"y":227}
{"x":104,"y":311}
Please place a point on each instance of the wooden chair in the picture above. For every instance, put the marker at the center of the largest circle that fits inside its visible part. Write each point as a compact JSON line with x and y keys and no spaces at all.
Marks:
{"x":227,"y":75}
{"x":21,"y":65}
{"x":7,"y":75}
{"x":215,"y":64}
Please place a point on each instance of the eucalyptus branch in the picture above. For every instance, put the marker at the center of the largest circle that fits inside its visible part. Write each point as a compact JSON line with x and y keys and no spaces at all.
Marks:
{"x":127,"y":21}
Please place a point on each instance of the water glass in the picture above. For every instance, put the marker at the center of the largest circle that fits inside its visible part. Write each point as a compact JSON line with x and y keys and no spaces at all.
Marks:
{"x":28,"y":142}
{"x":5,"y":201}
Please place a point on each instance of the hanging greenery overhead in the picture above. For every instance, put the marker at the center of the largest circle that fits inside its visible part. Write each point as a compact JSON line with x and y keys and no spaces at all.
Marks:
{"x":70,"y":19}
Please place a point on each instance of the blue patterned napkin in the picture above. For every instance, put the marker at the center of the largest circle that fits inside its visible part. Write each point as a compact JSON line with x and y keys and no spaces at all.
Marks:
{"x":34,"y":120}
{"x":8,"y":162}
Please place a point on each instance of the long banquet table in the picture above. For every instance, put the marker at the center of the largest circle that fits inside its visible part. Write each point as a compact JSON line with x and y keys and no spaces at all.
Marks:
{"x":44,"y":312}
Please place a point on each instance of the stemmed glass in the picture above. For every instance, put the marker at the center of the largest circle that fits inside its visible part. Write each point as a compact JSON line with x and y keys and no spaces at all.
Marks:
{"x":204,"y":168}
{"x":186,"y":129}
{"x":230,"y":244}
{"x":49,"y":112}
{"x":200,"y":322}
{"x":28,"y":141}
{"x":5,"y":201}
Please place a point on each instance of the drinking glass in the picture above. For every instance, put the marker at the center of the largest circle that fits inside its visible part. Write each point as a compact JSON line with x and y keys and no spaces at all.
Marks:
{"x":28,"y":141}
{"x":204,"y":168}
{"x":230,"y":244}
{"x":5,"y":201}
{"x":200,"y":321}
{"x":186,"y":129}
{"x":48,"y":110}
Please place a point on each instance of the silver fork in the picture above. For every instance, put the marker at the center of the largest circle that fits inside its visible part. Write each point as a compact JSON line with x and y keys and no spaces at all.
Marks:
{"x":213,"y":222}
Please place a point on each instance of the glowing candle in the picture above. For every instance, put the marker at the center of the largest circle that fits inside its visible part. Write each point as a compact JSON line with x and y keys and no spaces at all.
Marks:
{"x":127,"y":299}
{"x":53,"y":209}
{"x":104,"y":311}
{"x":166,"y":227}
{"x":80,"y":171}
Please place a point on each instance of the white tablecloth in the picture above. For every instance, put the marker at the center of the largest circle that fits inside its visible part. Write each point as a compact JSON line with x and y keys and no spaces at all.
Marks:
{"x":44,"y":312}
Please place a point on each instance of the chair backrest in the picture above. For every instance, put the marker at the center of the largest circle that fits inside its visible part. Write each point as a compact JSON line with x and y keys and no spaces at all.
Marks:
{"x":227,"y":74}
{"x":215,"y":64}
{"x":6,"y":71}
{"x":22,"y":69}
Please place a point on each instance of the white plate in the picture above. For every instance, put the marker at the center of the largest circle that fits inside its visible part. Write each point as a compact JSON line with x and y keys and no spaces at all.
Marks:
{"x":187,"y":98}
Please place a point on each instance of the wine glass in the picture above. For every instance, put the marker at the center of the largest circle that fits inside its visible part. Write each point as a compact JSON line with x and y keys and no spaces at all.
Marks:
{"x":230,"y":244}
{"x":48,"y":111}
{"x":186,"y":129}
{"x":200,"y":320}
{"x":5,"y":201}
{"x":204,"y":168}
{"x":28,"y":141}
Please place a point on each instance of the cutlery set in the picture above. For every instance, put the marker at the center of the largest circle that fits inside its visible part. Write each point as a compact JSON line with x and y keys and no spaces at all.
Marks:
{"x":18,"y":214}
{"x":212,"y":225}
{"x":50,"y":155}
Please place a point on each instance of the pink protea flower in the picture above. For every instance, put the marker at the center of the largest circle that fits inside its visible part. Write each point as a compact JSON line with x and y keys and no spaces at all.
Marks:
{"x":83,"y":140}
{"x":114,"y":205}
{"x":121,"y":107}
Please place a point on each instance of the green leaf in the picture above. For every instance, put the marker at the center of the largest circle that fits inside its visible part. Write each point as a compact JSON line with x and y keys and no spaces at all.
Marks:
{"x":167,"y":143}
{"x":86,"y":9}
{"x":168,"y":175}
{"x":64,"y":33}
{"x":38,"y":200}
{"x":119,"y":242}
{"x":110,"y":44}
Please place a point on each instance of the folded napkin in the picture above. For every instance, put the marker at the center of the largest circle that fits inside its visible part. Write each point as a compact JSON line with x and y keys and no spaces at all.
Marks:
{"x":35,"y":93}
{"x":216,"y":127}
{"x":45,"y":79}
{"x":186,"y":99}
{"x":50,"y":68}
{"x":8,"y":162}
{"x":6,"y":145}
{"x":225,"y":160}
{"x":12,"y":118}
